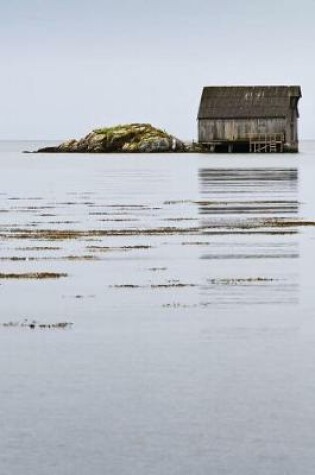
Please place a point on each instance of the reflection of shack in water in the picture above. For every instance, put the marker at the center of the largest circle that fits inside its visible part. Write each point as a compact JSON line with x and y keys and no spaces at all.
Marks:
{"x":253,"y":253}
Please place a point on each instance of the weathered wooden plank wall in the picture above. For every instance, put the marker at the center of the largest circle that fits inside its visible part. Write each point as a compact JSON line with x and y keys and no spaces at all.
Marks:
{"x":241,"y":129}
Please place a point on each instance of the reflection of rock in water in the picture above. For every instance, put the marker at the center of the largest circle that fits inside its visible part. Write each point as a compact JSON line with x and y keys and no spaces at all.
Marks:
{"x":241,"y":196}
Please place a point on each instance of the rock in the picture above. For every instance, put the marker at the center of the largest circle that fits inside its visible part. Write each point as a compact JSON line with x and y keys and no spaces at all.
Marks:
{"x":155,"y":145}
{"x":193,"y":147}
{"x":130,"y":138}
{"x":48,"y":150}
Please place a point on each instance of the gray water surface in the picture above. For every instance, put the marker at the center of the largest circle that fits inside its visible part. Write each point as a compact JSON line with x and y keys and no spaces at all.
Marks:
{"x":190,"y":287}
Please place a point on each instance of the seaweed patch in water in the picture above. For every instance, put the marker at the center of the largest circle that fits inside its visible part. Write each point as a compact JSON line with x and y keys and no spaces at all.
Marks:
{"x":171,"y":285}
{"x":33,"y":275}
{"x":89,"y":257}
{"x":238,"y":281}
{"x":78,"y":296}
{"x":55,"y":235}
{"x":180,"y":305}
{"x":125,"y":286}
{"x":168,"y":285}
{"x":34,"y":325}
{"x":38,"y":248}
{"x":117,"y":248}
{"x":196,"y":243}
{"x":156,"y":269}
{"x":287,"y":223}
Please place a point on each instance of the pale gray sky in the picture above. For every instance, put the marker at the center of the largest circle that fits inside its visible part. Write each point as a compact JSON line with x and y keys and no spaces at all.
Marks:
{"x":70,"y":65}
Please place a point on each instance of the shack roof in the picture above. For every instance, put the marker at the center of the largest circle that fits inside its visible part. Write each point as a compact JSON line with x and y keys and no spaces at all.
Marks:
{"x":247,"y":102}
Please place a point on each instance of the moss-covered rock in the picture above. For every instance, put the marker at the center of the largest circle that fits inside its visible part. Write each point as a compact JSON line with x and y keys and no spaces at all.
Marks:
{"x":130,"y":138}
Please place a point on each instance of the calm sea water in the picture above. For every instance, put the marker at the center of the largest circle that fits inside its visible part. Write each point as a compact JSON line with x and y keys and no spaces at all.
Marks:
{"x":193,"y":344}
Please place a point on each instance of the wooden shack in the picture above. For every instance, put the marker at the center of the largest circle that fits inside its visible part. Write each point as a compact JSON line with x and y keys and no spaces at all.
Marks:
{"x":249,"y":119}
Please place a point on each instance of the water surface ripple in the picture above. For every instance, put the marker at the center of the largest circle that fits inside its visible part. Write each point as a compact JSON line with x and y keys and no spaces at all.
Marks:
{"x":188,"y":280}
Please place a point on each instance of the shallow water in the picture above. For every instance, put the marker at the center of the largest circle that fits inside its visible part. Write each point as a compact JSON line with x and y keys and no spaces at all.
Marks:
{"x":190,"y":286}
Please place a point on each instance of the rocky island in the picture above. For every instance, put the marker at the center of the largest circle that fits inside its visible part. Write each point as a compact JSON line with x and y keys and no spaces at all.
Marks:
{"x":130,"y":138}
